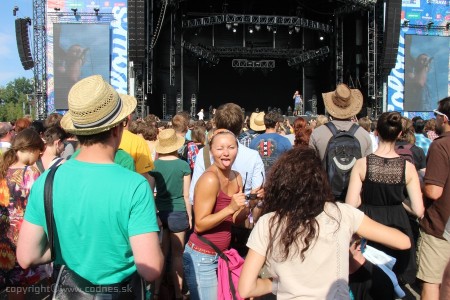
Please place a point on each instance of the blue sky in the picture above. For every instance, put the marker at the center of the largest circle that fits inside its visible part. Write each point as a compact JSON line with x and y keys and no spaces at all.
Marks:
{"x":10,"y":66}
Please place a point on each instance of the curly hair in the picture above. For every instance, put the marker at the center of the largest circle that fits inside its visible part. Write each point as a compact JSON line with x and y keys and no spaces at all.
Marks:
{"x":302,"y":136}
{"x":296,"y":191}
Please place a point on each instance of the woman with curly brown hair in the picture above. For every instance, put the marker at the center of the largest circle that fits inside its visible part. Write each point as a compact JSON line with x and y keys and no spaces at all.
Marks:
{"x":304,"y":235}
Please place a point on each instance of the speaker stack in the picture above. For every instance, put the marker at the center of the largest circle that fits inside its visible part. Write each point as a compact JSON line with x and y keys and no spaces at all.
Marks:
{"x":391,"y":35}
{"x":23,"y":43}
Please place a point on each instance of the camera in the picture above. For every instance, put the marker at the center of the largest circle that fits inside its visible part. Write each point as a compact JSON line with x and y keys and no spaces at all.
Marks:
{"x":251,"y":197}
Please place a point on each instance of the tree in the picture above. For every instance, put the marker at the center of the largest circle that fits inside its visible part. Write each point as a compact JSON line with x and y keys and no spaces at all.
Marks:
{"x":13,"y":97}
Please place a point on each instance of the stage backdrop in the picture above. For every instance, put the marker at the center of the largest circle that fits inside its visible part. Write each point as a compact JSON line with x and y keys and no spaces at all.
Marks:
{"x":79,"y":50}
{"x":110,"y":37}
{"x":420,"y":48}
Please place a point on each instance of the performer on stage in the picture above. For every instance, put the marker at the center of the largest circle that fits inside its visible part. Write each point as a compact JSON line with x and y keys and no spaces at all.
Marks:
{"x":297,"y":103}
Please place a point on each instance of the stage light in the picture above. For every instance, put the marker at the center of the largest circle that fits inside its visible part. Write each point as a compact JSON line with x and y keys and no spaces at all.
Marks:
{"x":250,"y":29}
{"x":274,"y":29}
{"x":431,"y":23}
{"x":321,"y":37}
{"x":297,"y":29}
{"x":258,"y":27}
{"x":269,"y":27}
{"x":291,"y":29}
{"x":96,"y":10}
{"x":406,"y":23}
{"x":447,"y":26}
{"x":228,"y":26}
{"x":74,"y":11}
{"x":57,"y":8}
{"x":234,"y":29}
{"x":15,"y":10}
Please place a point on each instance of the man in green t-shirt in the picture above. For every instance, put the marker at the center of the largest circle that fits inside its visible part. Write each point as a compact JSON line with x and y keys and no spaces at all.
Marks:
{"x":105,"y":217}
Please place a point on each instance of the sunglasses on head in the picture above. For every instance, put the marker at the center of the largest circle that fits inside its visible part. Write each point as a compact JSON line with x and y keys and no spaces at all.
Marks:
{"x":436,"y":113}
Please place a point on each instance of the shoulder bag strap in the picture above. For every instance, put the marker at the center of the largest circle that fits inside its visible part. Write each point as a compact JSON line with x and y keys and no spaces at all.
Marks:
{"x":225,"y":258}
{"x":48,"y":206}
{"x":40,"y":165}
{"x":206,"y":158}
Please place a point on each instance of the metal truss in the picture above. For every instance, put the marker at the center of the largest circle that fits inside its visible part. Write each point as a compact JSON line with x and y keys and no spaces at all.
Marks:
{"x":164,"y":106}
{"x":372,"y":57}
{"x":249,"y":52}
{"x":201,"y":52}
{"x":172,"y":51}
{"x":82,"y":17}
{"x":339,"y":50}
{"x":193,"y":105}
{"x":253,"y":64}
{"x":40,"y":57}
{"x":256,"y":19}
{"x":140,"y":98}
{"x":308,"y":55}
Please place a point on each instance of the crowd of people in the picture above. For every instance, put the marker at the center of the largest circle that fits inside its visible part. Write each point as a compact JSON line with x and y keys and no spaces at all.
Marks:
{"x":127,"y":208}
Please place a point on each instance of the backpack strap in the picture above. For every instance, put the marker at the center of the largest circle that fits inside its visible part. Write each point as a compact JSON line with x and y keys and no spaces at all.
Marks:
{"x":353,"y":129}
{"x":48,"y":207}
{"x":332,"y":128}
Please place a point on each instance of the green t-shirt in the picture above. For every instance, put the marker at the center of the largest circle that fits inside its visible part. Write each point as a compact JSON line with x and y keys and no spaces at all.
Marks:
{"x":169,"y":176}
{"x":97,"y":207}
{"x":121,"y":158}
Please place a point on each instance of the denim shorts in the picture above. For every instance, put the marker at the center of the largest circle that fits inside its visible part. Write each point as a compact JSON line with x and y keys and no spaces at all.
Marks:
{"x":200,"y":272}
{"x":175,"y":221}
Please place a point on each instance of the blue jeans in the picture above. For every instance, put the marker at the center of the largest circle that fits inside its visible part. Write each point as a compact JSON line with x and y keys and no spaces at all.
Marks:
{"x":200,"y":272}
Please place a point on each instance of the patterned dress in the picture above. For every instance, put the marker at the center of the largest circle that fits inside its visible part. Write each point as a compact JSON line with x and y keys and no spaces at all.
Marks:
{"x":14,"y":191}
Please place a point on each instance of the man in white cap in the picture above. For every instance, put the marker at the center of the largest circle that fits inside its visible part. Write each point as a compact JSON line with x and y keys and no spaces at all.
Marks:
{"x":104,"y":215}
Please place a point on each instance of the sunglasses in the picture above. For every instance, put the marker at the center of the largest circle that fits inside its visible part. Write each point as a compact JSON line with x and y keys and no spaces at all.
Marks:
{"x":436,"y":113}
{"x":251,"y":196}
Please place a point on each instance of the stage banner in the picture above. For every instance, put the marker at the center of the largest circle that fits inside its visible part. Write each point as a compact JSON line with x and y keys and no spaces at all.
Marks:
{"x":421,"y":75}
{"x":80,"y":44}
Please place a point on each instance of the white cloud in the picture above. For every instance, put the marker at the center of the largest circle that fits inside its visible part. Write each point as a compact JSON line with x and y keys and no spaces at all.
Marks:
{"x":7,"y":43}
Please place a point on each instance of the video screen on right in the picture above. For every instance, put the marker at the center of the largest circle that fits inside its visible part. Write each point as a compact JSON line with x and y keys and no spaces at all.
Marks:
{"x":426,"y":71}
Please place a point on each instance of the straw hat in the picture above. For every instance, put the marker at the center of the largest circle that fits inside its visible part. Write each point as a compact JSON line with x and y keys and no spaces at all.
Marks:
{"x":257,"y":121}
{"x":94,"y":107}
{"x":343,"y":103}
{"x":168,"y":141}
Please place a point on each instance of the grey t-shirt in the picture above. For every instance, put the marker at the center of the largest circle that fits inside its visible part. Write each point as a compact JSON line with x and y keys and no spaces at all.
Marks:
{"x":321,"y":135}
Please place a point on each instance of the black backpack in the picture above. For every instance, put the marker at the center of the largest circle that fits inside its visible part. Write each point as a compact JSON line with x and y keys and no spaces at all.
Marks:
{"x":343,"y":150}
{"x":183,"y":151}
{"x":405,"y":152}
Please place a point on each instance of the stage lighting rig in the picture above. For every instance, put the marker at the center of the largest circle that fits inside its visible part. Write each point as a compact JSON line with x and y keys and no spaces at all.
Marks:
{"x":74,"y":11}
{"x":96,"y":10}
{"x":258,"y":27}
{"x":15,"y":10}
{"x":405,"y":23}
{"x":250,"y":29}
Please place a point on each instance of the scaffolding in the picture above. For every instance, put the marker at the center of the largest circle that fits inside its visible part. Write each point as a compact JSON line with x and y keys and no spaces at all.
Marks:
{"x":339,"y":50}
{"x":40,"y":57}
{"x":372,"y":59}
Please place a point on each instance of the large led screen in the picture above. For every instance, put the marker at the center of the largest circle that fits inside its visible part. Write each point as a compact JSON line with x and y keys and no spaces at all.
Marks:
{"x":79,"y":50}
{"x":426,"y":71}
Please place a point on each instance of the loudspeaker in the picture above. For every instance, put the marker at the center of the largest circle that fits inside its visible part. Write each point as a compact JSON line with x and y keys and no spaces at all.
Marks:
{"x":136,"y":31}
{"x":23,"y":43}
{"x":391,"y":35}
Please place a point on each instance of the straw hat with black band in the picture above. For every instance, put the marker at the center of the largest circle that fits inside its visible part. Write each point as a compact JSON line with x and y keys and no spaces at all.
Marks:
{"x":343,"y":103}
{"x":95,"y":106}
{"x":257,"y":121}
{"x":168,"y":141}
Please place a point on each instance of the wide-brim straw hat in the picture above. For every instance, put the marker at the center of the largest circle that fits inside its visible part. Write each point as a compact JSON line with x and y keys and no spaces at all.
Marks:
{"x":95,"y":106}
{"x":343,"y":103}
{"x":257,"y":121}
{"x":168,"y":141}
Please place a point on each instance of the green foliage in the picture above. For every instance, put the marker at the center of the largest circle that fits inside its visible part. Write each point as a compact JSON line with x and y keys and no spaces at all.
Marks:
{"x":13,"y":98}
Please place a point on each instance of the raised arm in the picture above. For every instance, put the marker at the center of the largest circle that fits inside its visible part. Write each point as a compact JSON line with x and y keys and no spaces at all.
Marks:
{"x":390,"y":237}
{"x":205,"y":196}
